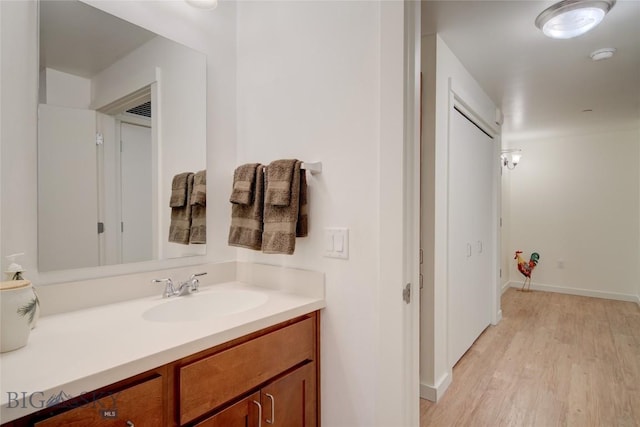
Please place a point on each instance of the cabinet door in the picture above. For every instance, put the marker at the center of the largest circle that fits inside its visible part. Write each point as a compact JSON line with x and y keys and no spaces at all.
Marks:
{"x":470,"y":240}
{"x":243,"y":414}
{"x":140,"y":405}
{"x":291,"y":400}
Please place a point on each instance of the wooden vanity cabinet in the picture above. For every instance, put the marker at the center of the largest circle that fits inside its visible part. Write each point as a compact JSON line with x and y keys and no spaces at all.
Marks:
{"x":289,"y":401}
{"x":216,"y":379}
{"x":267,"y":378}
{"x":242,"y":414}
{"x":139,"y":405}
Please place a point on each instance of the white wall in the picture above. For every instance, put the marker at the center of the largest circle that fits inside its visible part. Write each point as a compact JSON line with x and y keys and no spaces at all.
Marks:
{"x":309,"y":87}
{"x":211,"y":32}
{"x":575,"y":200}
{"x":64,"y":89}
{"x":450,"y":75}
{"x":19,"y":74}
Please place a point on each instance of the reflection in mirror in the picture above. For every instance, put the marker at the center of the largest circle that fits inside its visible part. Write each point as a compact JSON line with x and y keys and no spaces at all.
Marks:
{"x":121,"y":111}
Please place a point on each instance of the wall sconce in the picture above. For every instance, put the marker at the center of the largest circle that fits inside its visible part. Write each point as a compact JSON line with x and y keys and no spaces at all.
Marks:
{"x":510,"y":157}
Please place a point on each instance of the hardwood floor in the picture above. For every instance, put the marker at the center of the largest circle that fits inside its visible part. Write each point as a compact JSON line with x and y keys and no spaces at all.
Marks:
{"x":554,"y":360}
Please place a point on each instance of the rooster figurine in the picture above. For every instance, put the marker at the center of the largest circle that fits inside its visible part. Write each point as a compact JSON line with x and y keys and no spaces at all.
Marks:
{"x":526,"y":268}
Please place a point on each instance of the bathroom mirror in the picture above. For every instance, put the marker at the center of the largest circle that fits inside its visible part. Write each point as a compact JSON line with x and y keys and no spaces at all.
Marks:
{"x":121,"y":112}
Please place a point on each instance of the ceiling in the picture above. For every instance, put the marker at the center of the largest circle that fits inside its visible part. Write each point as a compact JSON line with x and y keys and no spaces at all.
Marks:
{"x":544,"y":85}
{"x":541,"y":85}
{"x":79,"y":39}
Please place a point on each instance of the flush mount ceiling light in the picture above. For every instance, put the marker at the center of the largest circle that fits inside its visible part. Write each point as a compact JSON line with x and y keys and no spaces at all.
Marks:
{"x":203,"y":4}
{"x":600,"y":54}
{"x":571,"y":18}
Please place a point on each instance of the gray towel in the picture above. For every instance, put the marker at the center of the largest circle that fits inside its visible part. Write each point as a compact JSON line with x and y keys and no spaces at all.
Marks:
{"x":199,"y":209}
{"x":279,"y":178}
{"x":244,"y":180}
{"x":246,"y":219}
{"x":280,"y":222}
{"x":179,"y":190}
{"x":180,"y":227}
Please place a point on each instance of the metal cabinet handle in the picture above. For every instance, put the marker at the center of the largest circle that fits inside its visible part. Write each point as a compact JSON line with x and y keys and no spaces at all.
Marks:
{"x":273,"y":409}
{"x":130,"y":424}
{"x":259,"y":412}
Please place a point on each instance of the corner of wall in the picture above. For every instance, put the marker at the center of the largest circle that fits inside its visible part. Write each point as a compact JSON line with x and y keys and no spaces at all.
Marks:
{"x":434,"y":392}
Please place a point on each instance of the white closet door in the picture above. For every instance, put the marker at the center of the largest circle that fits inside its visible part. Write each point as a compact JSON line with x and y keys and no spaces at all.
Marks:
{"x":136,"y":193}
{"x":470,"y":242}
{"x":67,"y":188}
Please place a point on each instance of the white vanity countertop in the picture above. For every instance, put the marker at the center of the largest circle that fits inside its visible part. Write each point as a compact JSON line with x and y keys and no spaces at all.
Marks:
{"x":83,"y":350}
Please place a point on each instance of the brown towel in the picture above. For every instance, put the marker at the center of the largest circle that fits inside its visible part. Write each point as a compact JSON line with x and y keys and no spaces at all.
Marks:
{"x":199,"y":209}
{"x":199,"y":192}
{"x":244,"y":179}
{"x":302,"y":226}
{"x":180,"y":228}
{"x":280,"y":179}
{"x":179,"y":190}
{"x":246,"y":220}
{"x":280,"y":222}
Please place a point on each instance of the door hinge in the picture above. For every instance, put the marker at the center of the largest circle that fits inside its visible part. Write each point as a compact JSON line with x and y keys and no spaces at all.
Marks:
{"x":500,"y":221}
{"x":500,"y":272}
{"x":99,"y":138}
{"x":122,"y":227}
{"x":421,"y":281}
{"x":100,"y":227}
{"x":421,"y":255}
{"x":406,"y":293}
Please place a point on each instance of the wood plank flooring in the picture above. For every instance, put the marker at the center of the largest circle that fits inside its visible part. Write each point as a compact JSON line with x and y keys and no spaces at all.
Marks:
{"x":554,"y":360}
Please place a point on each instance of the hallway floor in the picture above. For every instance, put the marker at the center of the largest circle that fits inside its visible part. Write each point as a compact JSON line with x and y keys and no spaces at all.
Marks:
{"x":554,"y":360}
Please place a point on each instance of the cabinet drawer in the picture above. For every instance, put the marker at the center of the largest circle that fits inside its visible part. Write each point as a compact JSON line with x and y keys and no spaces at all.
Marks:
{"x":141,"y":404}
{"x":214,"y":380}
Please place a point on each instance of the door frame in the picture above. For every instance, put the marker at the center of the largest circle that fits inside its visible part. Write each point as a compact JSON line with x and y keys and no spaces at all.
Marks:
{"x":397,"y":329}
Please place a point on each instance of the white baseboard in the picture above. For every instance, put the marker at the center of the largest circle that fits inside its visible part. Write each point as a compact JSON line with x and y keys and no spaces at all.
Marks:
{"x":506,"y":285}
{"x":578,"y":291}
{"x":498,"y":318}
{"x":435,"y":392}
{"x":638,"y":300}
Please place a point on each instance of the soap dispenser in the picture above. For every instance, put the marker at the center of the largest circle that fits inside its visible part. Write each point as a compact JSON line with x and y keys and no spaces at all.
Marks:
{"x":15,"y":273}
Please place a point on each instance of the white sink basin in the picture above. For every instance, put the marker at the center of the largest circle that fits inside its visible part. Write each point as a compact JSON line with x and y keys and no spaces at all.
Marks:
{"x":205,"y":305}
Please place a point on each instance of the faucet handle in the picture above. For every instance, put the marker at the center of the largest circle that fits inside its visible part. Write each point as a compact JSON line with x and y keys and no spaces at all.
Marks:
{"x":195,"y":282}
{"x":168,"y":289}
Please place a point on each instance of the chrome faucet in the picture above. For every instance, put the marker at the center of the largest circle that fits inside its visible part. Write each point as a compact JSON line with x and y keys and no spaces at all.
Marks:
{"x":189,"y":286}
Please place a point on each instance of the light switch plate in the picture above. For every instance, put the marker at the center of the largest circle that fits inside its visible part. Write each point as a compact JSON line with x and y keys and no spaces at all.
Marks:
{"x":336,"y":242}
